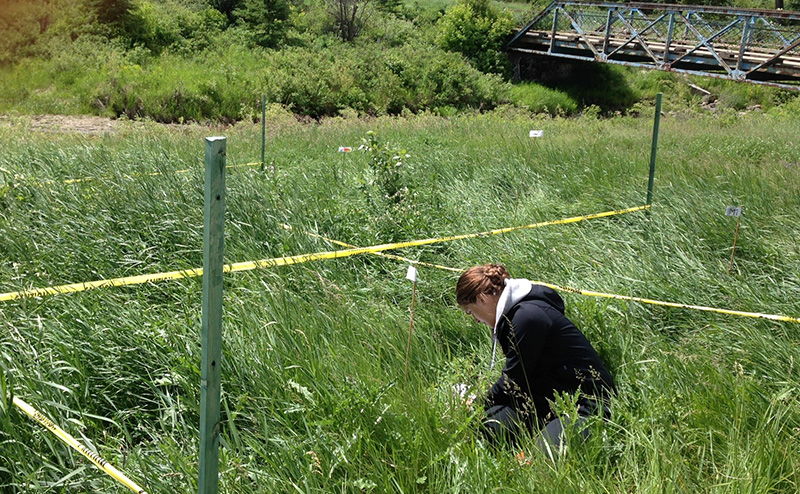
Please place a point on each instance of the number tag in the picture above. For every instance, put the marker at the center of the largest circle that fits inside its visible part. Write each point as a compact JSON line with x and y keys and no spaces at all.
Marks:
{"x":733,"y":211}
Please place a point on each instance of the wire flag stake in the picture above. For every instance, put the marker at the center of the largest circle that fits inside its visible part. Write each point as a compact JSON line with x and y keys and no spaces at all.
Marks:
{"x":411,"y":275}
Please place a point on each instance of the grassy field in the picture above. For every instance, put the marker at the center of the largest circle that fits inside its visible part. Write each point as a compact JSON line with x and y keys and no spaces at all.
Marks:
{"x":314,"y":393}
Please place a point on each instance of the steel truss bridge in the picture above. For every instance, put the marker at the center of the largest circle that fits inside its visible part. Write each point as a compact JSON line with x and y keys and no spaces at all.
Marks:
{"x":757,"y":46}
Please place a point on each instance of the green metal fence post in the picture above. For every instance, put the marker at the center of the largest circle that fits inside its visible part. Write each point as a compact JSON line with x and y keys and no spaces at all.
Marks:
{"x":653,"y":150}
{"x":263,"y":129}
{"x":210,"y":373}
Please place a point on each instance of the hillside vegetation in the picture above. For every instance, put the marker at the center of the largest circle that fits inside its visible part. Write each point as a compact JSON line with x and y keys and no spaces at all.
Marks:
{"x":214,"y":61}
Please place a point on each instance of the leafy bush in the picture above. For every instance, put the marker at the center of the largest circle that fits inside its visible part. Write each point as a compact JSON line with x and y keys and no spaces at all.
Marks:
{"x":386,"y":167}
{"x":389,"y":192}
{"x":389,"y":5}
{"x":182,"y":27}
{"x":791,"y":106}
{"x":226,"y":7}
{"x":41,"y":29}
{"x":375,"y":81}
{"x":174,"y":89}
{"x":390,"y":30}
{"x":477,"y":29}
{"x":436,"y":79}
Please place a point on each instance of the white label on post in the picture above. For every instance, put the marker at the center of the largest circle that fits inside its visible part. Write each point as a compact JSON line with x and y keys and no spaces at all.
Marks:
{"x":412,"y":273}
{"x":537,"y":133}
{"x":345,"y":149}
{"x":733,"y":211}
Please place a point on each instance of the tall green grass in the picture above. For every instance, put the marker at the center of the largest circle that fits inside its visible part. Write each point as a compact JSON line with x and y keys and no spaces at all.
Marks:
{"x":314,"y":393}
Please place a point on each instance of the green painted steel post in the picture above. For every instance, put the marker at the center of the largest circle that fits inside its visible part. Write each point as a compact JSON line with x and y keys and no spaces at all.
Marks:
{"x":653,"y":150}
{"x":210,"y":372}
{"x":263,"y":129}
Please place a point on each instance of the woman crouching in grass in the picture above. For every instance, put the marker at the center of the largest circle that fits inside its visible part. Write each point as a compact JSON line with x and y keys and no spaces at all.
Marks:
{"x":546,"y":356}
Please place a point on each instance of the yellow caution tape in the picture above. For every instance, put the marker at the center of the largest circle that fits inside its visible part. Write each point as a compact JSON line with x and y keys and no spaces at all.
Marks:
{"x":590,"y":293}
{"x":88,"y":285}
{"x":135,"y":175}
{"x":756,"y":315}
{"x":382,"y":254}
{"x":70,"y":441}
{"x":284,"y":261}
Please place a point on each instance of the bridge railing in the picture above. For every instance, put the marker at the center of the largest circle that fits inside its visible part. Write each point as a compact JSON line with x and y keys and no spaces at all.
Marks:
{"x":750,"y":45}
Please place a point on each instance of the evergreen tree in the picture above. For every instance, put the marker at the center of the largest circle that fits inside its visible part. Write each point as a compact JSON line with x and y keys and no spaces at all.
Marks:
{"x":227,"y":7}
{"x":116,"y":13}
{"x":267,"y":20}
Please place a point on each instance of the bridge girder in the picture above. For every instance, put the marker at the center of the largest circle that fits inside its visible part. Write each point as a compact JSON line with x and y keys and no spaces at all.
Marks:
{"x":749,"y":45}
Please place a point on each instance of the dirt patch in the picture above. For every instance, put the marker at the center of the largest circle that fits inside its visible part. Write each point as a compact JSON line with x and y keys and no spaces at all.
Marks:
{"x":83,"y":124}
{"x":92,"y":125}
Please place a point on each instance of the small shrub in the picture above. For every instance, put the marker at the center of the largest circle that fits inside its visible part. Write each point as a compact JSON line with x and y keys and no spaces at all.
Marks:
{"x":389,"y":5}
{"x":791,"y":106}
{"x":740,"y":96}
{"x":179,"y":27}
{"x":390,"y":30}
{"x":349,"y":17}
{"x":735,"y":97}
{"x":386,"y":169}
{"x":375,"y":80}
{"x":437,"y":79}
{"x":391,"y":199}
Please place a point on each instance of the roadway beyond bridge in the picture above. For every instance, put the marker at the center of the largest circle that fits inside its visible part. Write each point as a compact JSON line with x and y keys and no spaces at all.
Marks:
{"x":757,"y":46}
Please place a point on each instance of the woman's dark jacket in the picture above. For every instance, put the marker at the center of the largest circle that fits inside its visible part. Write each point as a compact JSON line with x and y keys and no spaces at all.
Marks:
{"x":546,"y":354}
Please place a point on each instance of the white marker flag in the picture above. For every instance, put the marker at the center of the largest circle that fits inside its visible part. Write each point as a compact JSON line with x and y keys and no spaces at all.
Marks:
{"x":537,"y":133}
{"x":733,"y":211}
{"x":345,"y":149}
{"x":411,"y":275}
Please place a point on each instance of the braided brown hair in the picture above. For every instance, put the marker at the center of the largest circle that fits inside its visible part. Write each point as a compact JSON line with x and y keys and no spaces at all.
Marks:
{"x":488,"y":279}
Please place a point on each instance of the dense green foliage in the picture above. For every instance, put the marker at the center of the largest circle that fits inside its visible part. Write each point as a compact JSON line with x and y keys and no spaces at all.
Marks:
{"x":324,"y":81}
{"x":265,"y":20}
{"x":213,"y":60}
{"x":314,"y":393}
{"x":478,"y":30}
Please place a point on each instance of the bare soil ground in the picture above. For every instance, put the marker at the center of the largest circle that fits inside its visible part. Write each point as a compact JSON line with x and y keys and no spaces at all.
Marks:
{"x":87,"y":124}
{"x":83,"y":124}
